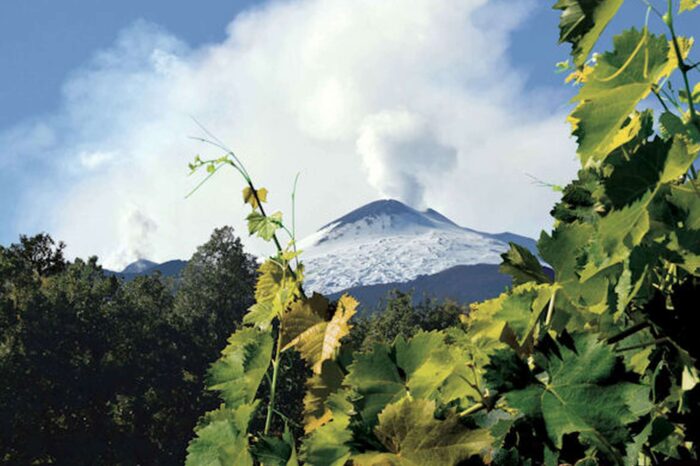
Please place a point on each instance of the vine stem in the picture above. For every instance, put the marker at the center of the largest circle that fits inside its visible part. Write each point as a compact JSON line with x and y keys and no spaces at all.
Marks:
{"x":273,"y":384}
{"x":472,"y":409}
{"x":643,"y":345}
{"x":663,"y":104}
{"x":682,"y":65}
{"x":628,"y":332}
{"x":550,"y":309}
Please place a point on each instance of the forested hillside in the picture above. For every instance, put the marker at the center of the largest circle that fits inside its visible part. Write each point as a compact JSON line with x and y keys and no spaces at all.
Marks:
{"x":97,"y":370}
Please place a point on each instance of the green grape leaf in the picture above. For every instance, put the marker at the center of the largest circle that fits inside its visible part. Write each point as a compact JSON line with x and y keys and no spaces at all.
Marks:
{"x":276,"y":451}
{"x":623,"y":229}
{"x":671,"y":125}
{"x":506,"y":371}
{"x":328,"y":445}
{"x":688,"y":5}
{"x":261,"y":315}
{"x":563,"y":251}
{"x":512,"y":317}
{"x":582,"y":22}
{"x":685,"y":233}
{"x":375,"y":376}
{"x":581,"y":396}
{"x":618,"y":82}
{"x":616,"y":233}
{"x":222,"y":439}
{"x":243,"y":363}
{"x":423,"y":366}
{"x":523,"y":266}
{"x":632,"y":178}
{"x":308,"y":328}
{"x":412,"y":436}
{"x":264,"y":226}
{"x":251,"y":197}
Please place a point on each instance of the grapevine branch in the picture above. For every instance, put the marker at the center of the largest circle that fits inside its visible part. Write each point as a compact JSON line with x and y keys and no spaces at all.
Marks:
{"x":682,"y":65}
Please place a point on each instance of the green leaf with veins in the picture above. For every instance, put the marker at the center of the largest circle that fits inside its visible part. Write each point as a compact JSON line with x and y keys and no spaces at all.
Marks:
{"x":623,"y":229}
{"x":264,"y":226}
{"x":412,"y":436}
{"x":419,"y":366}
{"x":243,"y":363}
{"x":619,"y":81}
{"x":328,"y":445}
{"x":580,"y":395}
{"x":222,"y":440}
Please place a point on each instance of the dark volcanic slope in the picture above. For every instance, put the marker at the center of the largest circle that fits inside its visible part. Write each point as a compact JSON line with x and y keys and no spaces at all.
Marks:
{"x":463,"y":283}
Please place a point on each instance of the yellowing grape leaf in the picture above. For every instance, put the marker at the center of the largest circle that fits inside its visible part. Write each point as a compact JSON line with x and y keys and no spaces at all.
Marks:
{"x":318,"y":388}
{"x":316,"y":335}
{"x":412,"y":436}
{"x":688,"y":5}
{"x":275,"y":289}
{"x":582,"y":22}
{"x":251,"y":197}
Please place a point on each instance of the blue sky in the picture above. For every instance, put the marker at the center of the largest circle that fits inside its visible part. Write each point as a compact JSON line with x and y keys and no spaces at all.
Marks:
{"x":73,"y":68}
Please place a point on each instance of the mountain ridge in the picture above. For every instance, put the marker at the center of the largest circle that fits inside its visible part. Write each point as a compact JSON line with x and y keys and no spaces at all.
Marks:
{"x":387,"y":241}
{"x":388,"y":245}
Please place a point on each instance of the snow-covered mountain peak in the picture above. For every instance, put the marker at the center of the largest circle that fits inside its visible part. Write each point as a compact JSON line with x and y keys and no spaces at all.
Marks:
{"x":387,"y":241}
{"x":383,"y":218}
{"x":140,"y":266}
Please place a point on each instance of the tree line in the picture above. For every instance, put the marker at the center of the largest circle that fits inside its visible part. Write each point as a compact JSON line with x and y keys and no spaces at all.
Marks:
{"x":97,"y":370}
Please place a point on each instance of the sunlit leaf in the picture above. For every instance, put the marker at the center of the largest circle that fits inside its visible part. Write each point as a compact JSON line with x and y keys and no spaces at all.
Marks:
{"x":619,"y":81}
{"x":412,"y":436}
{"x":251,"y":197}
{"x":264,"y":226}
{"x":316,"y":335}
{"x":582,"y":22}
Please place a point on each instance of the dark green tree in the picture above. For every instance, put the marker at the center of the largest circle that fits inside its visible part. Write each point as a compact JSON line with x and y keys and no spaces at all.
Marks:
{"x":100,"y":371}
{"x":399,"y":316}
{"x":215,"y":289}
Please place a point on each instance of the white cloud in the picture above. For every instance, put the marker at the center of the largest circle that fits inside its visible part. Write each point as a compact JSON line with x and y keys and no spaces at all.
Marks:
{"x":94,"y":160}
{"x":364,"y":98}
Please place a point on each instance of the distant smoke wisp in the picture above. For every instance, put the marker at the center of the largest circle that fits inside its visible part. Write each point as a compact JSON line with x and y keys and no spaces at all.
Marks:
{"x":402,"y":155}
{"x":139,"y":230}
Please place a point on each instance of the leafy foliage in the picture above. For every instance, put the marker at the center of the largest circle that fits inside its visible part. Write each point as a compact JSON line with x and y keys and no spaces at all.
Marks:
{"x":592,"y":364}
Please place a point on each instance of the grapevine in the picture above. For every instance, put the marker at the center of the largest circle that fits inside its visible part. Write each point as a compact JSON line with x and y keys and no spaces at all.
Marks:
{"x":596,"y":364}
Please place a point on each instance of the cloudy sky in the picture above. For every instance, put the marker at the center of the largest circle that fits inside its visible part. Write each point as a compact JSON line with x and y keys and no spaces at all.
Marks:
{"x":442,"y":103}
